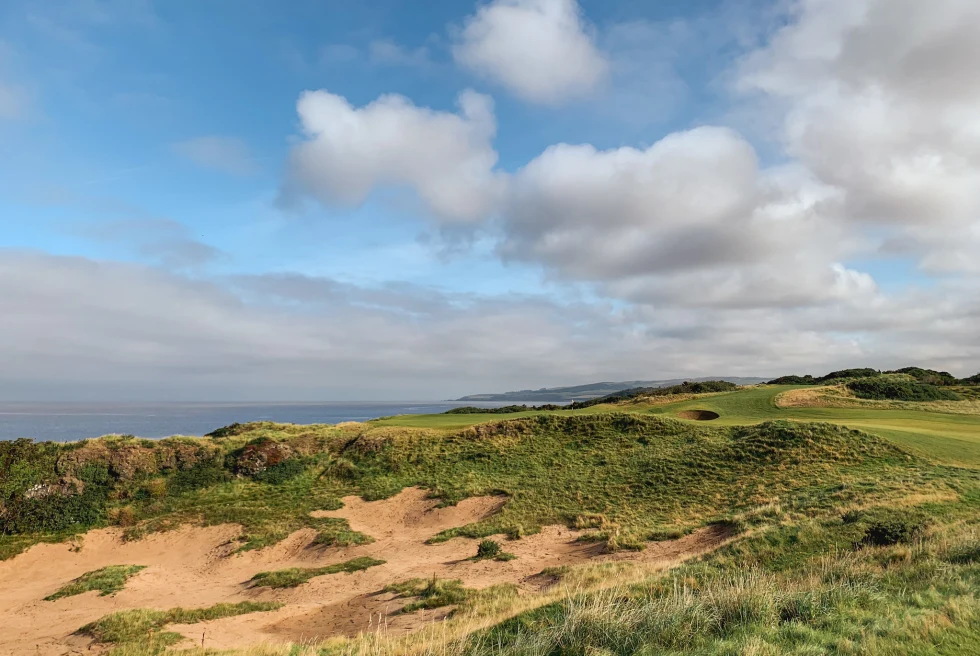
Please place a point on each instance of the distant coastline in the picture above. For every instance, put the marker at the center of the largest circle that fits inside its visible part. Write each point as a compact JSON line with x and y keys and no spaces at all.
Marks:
{"x":592,"y":390}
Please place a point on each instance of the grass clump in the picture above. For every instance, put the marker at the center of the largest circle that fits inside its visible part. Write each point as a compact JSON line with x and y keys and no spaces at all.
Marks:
{"x":337,"y":533}
{"x":430,"y":593}
{"x":884,"y":527}
{"x":108,"y":580}
{"x":144,"y":628}
{"x":491,"y":550}
{"x":295,"y":576}
{"x":888,"y":389}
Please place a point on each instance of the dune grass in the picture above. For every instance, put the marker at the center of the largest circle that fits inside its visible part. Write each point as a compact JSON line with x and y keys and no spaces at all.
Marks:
{"x":143,"y":629}
{"x":290,"y":578}
{"x":108,"y":580}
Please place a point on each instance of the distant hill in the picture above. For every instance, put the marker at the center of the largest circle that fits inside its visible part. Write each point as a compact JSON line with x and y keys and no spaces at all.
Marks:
{"x":595,"y":390}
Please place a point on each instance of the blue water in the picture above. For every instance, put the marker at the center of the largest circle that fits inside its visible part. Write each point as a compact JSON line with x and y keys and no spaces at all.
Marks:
{"x":63,"y":422}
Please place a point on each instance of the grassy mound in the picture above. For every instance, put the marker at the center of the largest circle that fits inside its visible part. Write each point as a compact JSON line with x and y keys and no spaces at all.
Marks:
{"x":642,"y":473}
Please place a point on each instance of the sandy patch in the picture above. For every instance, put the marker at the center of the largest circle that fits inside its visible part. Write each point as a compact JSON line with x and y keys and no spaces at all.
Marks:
{"x":197,"y":567}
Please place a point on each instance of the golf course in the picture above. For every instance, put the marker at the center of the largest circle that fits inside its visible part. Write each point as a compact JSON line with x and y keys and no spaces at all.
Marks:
{"x":838,"y":516}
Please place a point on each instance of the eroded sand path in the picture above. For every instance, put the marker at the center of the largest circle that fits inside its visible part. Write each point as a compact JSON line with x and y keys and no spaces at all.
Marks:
{"x":197,"y":567}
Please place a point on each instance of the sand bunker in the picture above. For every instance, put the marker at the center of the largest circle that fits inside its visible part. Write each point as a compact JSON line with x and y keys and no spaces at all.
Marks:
{"x":699,"y":415}
{"x":196,"y":567}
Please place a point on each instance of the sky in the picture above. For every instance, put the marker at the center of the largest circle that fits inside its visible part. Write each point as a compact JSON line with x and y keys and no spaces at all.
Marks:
{"x":343,"y":200}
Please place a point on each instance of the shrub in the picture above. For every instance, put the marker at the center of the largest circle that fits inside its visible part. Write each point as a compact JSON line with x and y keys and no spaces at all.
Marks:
{"x":228,"y":431}
{"x":899,"y":390}
{"x":793,"y":380}
{"x":281,"y":472}
{"x":702,"y":387}
{"x":930,"y":376}
{"x":201,"y":475}
{"x":972,"y":380}
{"x":488,"y":549}
{"x":884,"y":527}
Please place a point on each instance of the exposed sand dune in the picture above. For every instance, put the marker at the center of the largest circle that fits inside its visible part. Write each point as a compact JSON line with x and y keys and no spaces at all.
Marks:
{"x":196,"y":567}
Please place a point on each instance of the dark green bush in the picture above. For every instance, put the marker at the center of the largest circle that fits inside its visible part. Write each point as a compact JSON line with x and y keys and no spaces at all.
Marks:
{"x":793,"y":380}
{"x":972,"y":380}
{"x":504,"y":410}
{"x":929,"y":376}
{"x":848,"y":373}
{"x":488,"y":549}
{"x":702,"y":387}
{"x":230,"y":430}
{"x":883,"y":527}
{"x":201,"y":475}
{"x":282,"y":472}
{"x":884,"y":389}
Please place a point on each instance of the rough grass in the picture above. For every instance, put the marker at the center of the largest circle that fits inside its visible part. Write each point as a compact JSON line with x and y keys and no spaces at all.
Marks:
{"x":643,"y":473}
{"x":849,"y":545}
{"x":108,"y":580}
{"x":290,"y":578}
{"x":144,"y":629}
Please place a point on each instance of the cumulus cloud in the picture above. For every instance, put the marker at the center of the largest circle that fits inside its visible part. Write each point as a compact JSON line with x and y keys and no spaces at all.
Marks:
{"x":880,"y":101}
{"x":224,"y":154}
{"x":691,"y":220}
{"x":448,"y":159}
{"x":541,"y":50}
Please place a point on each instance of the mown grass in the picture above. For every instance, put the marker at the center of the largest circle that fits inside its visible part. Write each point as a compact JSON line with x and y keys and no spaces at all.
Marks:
{"x":292,"y":577}
{"x":143,"y":629}
{"x":108,"y":580}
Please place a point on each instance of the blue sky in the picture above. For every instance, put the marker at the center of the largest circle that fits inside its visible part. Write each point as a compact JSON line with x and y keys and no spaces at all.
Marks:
{"x":718,"y":177}
{"x":114,"y":87}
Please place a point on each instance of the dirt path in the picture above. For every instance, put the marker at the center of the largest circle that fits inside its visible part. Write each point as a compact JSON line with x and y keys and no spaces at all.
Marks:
{"x":196,"y":567}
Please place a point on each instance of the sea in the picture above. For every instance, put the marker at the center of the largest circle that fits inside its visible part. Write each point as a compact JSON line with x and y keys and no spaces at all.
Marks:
{"x":66,"y":422}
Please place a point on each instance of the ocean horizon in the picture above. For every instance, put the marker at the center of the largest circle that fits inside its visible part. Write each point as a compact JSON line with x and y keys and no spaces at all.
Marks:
{"x":67,"y":422}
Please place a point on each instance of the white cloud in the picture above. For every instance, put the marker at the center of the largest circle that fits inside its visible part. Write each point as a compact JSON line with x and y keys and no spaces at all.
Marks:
{"x":447,"y":158}
{"x":79,"y":328}
{"x":880,"y":99}
{"x":691,"y":220}
{"x":542,"y":50}
{"x":225,"y":154}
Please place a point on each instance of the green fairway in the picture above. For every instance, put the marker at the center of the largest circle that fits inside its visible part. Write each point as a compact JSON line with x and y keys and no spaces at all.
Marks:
{"x":947,"y":438}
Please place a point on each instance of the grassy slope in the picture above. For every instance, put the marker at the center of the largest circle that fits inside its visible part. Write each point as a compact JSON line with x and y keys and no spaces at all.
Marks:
{"x":949,"y":438}
{"x":799,"y":583}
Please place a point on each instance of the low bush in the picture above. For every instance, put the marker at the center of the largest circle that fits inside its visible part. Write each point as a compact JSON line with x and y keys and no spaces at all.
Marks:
{"x":887,"y":389}
{"x":488,"y":549}
{"x":929,"y":376}
{"x":701,"y":387}
{"x":884,"y":527}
